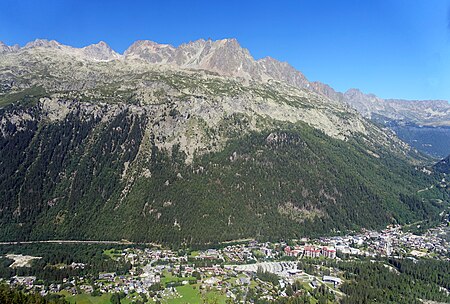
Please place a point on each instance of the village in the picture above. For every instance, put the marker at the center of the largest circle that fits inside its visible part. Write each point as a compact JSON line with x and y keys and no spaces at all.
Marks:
{"x":231,"y":270}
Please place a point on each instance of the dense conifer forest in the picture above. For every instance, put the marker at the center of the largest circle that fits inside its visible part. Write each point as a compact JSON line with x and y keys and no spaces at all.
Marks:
{"x":66,"y":180}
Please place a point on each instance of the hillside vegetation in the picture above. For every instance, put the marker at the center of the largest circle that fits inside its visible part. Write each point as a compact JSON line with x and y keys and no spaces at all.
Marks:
{"x":84,"y":178}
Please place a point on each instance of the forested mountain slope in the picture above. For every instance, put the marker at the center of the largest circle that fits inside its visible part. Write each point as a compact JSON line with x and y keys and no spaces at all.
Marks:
{"x":124,"y":148}
{"x":443,"y":166}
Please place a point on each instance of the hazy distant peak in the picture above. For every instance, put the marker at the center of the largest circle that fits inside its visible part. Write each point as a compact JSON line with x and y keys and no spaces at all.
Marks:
{"x":43,"y":43}
{"x":353,"y":91}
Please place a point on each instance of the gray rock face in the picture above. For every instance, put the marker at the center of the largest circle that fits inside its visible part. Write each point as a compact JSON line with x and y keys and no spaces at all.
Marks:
{"x":203,"y":80}
{"x":100,"y":51}
{"x":327,"y":91}
{"x":150,"y":51}
{"x":283,"y":71}
{"x":365,"y":104}
{"x":225,"y":57}
{"x":8,"y":49}
{"x":43,"y":43}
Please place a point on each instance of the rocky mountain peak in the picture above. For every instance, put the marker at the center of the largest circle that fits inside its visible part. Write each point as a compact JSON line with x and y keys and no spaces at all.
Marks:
{"x":44,"y":43}
{"x":150,"y":51}
{"x":326,"y":90}
{"x":4,"y":48}
{"x":283,"y":71}
{"x":140,"y":45}
{"x":100,"y":51}
{"x":268,"y":59}
{"x":366,"y":104}
{"x":231,"y":43}
{"x":353,"y":92}
{"x":358,"y":95}
{"x":226,"y":57}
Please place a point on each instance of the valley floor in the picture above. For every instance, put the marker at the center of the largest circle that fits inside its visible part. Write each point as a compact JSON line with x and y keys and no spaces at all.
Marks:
{"x":324,"y":270}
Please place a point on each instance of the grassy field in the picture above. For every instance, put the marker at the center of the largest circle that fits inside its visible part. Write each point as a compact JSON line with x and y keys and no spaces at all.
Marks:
{"x":88,"y":299}
{"x":191,"y":295}
{"x":168,"y":277}
{"x":112,"y":253}
{"x":194,"y":254}
{"x":187,"y":292}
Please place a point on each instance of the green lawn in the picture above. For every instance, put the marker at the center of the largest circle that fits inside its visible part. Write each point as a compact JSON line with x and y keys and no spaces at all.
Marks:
{"x":194,"y":254}
{"x":168,"y":277}
{"x":112,"y":253}
{"x":191,"y":295}
{"x":88,"y":299}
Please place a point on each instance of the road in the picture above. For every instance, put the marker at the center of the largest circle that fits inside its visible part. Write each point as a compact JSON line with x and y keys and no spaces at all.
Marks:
{"x":77,"y":242}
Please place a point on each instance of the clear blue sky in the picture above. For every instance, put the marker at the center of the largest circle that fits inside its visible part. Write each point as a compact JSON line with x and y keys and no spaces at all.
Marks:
{"x":393,"y":48}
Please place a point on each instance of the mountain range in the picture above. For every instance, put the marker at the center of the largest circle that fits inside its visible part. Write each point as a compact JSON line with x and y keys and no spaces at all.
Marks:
{"x":228,"y":58}
{"x":423,"y":124}
{"x":198,"y":144}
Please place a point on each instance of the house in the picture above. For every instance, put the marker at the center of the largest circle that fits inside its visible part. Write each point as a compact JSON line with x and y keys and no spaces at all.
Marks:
{"x":330,"y":279}
{"x":293,"y":272}
{"x":107,"y":276}
{"x":287,"y":250}
{"x":244,"y":281}
{"x":26,"y":281}
{"x":211,"y":281}
{"x":314,"y":284}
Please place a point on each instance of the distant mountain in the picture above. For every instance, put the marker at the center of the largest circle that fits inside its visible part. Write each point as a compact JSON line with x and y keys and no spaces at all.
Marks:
{"x":100,"y":51}
{"x":432,"y":140}
{"x":424,"y":124}
{"x":191,"y":145}
{"x":421,"y":112}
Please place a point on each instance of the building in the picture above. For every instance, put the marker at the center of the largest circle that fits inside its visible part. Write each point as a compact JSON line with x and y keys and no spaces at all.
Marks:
{"x":311,"y":252}
{"x":330,"y":279}
{"x":329,"y":252}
